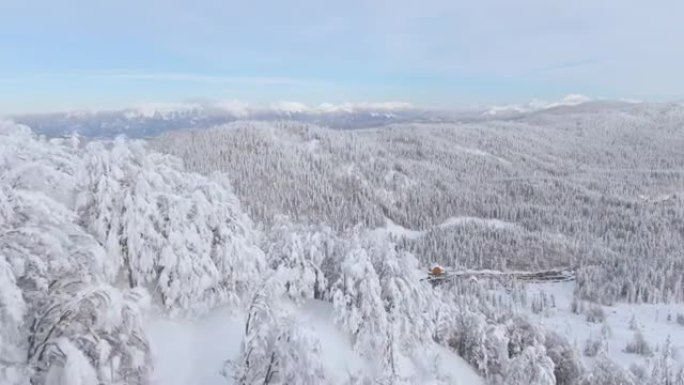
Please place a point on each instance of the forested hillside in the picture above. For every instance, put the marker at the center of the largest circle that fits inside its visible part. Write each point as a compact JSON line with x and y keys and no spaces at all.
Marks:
{"x":99,"y":236}
{"x":596,"y":187}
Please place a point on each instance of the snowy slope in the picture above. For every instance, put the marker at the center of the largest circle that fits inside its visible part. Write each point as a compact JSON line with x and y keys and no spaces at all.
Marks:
{"x":655,"y":321}
{"x":193,"y":352}
{"x":399,"y":231}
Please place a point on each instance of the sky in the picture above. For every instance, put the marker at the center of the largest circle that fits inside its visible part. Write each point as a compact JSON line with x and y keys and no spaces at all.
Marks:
{"x":82,"y":54}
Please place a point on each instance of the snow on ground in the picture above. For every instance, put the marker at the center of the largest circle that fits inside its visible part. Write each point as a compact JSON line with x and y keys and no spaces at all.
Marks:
{"x":193,"y":352}
{"x":478,"y":152}
{"x":486,"y":222}
{"x":655,"y":321}
{"x":440,"y":365}
{"x":338,"y":357}
{"x":400,"y":231}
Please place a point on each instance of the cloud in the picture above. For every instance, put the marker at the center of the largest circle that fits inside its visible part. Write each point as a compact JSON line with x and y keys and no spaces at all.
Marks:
{"x":243,"y":110}
{"x":347,"y":107}
{"x":290,"y":107}
{"x":537,"y":105}
{"x":149,"y":110}
{"x":370,"y":106}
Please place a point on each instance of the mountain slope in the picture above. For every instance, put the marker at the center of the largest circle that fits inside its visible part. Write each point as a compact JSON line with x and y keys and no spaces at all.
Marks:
{"x":593,"y":186}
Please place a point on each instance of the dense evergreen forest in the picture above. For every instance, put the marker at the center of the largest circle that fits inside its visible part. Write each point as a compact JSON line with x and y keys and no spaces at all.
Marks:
{"x":592,"y":188}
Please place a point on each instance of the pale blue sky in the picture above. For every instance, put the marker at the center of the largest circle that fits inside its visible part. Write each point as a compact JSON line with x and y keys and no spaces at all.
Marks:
{"x":75,"y":54}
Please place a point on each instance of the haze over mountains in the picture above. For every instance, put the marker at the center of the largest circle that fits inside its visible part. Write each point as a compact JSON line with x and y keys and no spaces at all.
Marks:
{"x":154,"y":118}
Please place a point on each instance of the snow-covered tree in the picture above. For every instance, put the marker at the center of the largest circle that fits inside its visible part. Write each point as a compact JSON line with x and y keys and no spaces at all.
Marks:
{"x":181,"y":235}
{"x":297,"y":253}
{"x":276,"y":349}
{"x":58,"y":270}
{"x":639,"y":345}
{"x":69,"y":365}
{"x":522,"y":334}
{"x":566,"y":360}
{"x":83,"y":232}
{"x":91,"y":325}
{"x":357,"y":299}
{"x":680,"y":377}
{"x":12,"y":312}
{"x":496,"y":353}
{"x":468,"y":338}
{"x":664,"y":370}
{"x":606,"y":372}
{"x":594,"y":346}
{"x":531,"y":367}
{"x":409,"y":303}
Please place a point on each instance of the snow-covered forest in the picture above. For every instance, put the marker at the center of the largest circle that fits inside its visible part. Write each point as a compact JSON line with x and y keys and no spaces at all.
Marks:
{"x":595,"y":188}
{"x":298,"y":253}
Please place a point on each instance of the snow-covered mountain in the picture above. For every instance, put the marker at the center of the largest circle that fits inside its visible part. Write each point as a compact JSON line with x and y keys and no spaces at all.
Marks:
{"x":151,"y":119}
{"x":270,"y":249}
{"x":155,"y":118}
